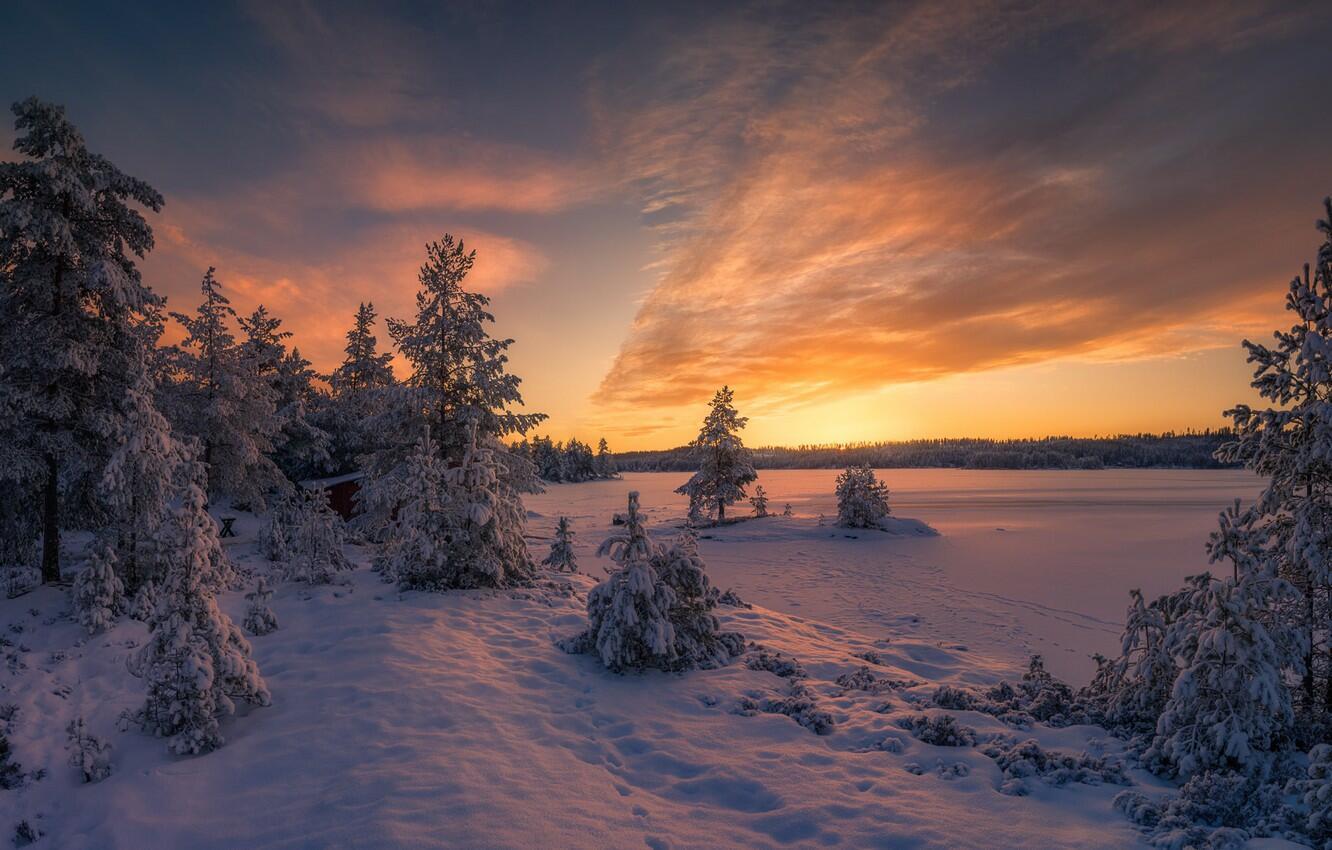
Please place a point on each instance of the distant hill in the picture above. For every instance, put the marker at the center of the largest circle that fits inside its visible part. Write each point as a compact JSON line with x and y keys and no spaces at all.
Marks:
{"x":1194,"y":450}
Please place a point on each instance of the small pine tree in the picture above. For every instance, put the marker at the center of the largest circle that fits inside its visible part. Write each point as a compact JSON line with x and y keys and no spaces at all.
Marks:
{"x":99,"y":597}
{"x":259,"y":617}
{"x":725,"y":465}
{"x":88,"y":754}
{"x":760,"y":501}
{"x":196,"y":661}
{"x":654,"y":610}
{"x":1318,"y":794}
{"x":561,"y":557}
{"x":862,"y":499}
{"x":1144,"y":675}
{"x":316,"y":541}
{"x":787,"y":511}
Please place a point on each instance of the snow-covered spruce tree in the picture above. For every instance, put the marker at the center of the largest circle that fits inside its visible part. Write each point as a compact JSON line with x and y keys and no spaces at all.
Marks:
{"x":300,"y":446}
{"x":699,"y":640}
{"x":459,"y":380}
{"x":862,"y":499}
{"x":1143,"y":677}
{"x":259,"y":617}
{"x":99,"y":596}
{"x":1290,"y":445}
{"x":218,"y":397}
{"x":787,"y":511}
{"x":561,"y":557}
{"x":759,"y":501}
{"x":196,"y":661}
{"x":605,"y":463}
{"x":70,"y":300}
{"x":724,"y":465}
{"x":1228,"y":703}
{"x":316,"y":539}
{"x":358,"y":385}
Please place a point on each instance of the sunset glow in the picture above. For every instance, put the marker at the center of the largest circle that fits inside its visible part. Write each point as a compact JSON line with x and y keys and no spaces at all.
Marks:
{"x":873,"y":223}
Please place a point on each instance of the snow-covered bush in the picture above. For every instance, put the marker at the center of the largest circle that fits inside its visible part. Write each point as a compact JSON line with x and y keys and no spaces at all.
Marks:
{"x":655,"y":609}
{"x":1318,"y":795}
{"x":88,"y":754}
{"x":561,"y":557}
{"x":416,"y":551}
{"x":145,"y":601}
{"x":259,"y":617}
{"x":99,"y":597}
{"x":315,"y":542}
{"x":1131,"y":691}
{"x":275,"y":535}
{"x":1023,"y":760}
{"x":196,"y":662}
{"x":19,"y":579}
{"x":941,"y":730}
{"x":862,"y":499}
{"x":759,"y":501}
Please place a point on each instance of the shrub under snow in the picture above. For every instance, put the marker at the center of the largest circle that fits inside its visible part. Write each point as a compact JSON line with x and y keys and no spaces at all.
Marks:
{"x":862,"y":499}
{"x":259,"y":617}
{"x":88,"y":754}
{"x":561,"y":557}
{"x":315,"y":541}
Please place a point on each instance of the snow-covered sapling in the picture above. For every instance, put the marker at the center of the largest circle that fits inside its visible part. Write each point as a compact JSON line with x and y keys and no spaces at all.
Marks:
{"x":316,"y":539}
{"x":259,"y":617}
{"x":862,"y":499}
{"x":99,"y":597}
{"x":88,"y":754}
{"x":11,"y":772}
{"x":196,"y":661}
{"x":145,"y":601}
{"x":760,"y":501}
{"x":561,"y":557}
{"x":786,"y":511}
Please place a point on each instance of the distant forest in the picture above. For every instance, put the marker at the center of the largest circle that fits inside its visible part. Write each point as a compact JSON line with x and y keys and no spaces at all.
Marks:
{"x":1192,"y":450}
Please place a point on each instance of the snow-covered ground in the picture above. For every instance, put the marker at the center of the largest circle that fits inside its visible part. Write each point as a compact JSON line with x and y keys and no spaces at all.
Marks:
{"x":1026,"y":562}
{"x":453,"y":720}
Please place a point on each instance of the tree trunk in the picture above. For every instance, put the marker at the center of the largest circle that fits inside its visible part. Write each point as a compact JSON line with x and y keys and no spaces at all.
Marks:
{"x":51,"y":523}
{"x":1309,"y":655}
{"x":721,"y":512}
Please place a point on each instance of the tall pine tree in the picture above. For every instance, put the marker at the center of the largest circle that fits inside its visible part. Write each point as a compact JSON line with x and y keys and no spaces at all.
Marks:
{"x":724,"y":466}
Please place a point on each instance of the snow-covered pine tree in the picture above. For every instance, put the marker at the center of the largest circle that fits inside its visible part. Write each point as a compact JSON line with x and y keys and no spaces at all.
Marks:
{"x":359,"y":385}
{"x":787,"y":511}
{"x":259,"y":617}
{"x":1228,"y":703}
{"x":196,"y":661}
{"x":629,"y":625}
{"x":605,"y":463}
{"x":300,"y":447}
{"x":1290,"y":445}
{"x":459,"y":379}
{"x":759,"y":501}
{"x":219,"y":398}
{"x":1138,"y":683}
{"x":316,"y":539}
{"x":99,"y":596}
{"x":69,"y":233}
{"x":561,"y":557}
{"x":724,"y":465}
{"x":416,"y":551}
{"x":862,"y":499}
{"x":138,"y":481}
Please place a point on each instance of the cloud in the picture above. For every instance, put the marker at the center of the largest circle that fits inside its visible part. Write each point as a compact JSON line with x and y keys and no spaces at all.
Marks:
{"x":906,"y":194}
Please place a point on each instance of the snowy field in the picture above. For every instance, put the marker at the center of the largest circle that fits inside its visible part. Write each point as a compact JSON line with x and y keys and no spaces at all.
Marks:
{"x":1026,"y":561}
{"x":418,"y":720}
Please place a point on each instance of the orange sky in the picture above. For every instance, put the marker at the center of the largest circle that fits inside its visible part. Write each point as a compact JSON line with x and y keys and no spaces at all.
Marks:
{"x":893,"y":222}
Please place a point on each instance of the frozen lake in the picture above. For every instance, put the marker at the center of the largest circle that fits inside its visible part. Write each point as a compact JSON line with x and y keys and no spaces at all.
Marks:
{"x":1027,"y":561}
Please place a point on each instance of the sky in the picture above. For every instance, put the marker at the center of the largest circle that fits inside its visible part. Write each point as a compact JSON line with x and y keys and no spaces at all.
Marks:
{"x":872,"y":220}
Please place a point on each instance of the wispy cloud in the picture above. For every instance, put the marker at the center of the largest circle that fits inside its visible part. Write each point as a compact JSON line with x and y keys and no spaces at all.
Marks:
{"x":863,"y":204}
